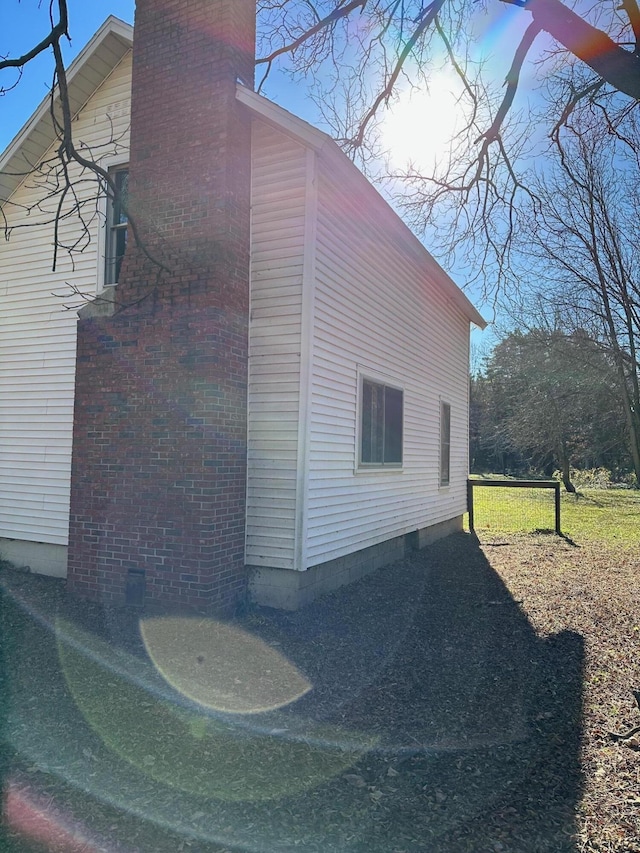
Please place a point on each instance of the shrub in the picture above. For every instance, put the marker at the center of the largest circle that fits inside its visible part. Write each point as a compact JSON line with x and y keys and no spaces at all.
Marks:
{"x":599,"y":478}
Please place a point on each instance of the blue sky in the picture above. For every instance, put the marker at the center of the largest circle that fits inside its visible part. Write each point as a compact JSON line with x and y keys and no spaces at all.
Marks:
{"x":24,"y":22}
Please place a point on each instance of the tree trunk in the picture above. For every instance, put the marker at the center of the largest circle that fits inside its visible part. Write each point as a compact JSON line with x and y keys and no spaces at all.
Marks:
{"x":566,"y":474}
{"x":631,"y":405}
{"x":619,"y":67}
{"x":634,"y":442}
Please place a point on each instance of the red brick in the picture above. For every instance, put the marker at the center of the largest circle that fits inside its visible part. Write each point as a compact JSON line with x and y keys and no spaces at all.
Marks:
{"x":160,"y":416}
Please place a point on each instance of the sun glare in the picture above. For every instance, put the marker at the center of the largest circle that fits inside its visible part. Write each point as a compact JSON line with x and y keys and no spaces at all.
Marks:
{"x":418,"y":127}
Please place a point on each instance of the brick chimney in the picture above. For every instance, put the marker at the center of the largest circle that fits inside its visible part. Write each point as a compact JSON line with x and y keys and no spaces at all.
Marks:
{"x":159,"y":455}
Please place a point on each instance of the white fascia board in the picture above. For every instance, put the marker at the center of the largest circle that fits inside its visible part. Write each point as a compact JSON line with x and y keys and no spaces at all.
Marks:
{"x":283,"y":120}
{"x":116,"y":37}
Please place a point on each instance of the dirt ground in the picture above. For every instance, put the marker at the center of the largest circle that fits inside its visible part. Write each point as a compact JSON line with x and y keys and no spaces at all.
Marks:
{"x":474,"y":697}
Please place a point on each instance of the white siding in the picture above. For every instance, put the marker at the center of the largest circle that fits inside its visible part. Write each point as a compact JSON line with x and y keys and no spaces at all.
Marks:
{"x":277,"y":267}
{"x":378,"y":312}
{"x":38,"y":332}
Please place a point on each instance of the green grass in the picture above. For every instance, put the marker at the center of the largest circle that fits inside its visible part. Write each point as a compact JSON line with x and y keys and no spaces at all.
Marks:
{"x":611,"y":515}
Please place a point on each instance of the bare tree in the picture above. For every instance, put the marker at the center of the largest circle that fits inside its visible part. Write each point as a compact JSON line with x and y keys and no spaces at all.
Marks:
{"x":582,"y":242}
{"x":383,"y":41}
{"x":54,"y":174}
{"x":360,"y":52}
{"x":357,"y":53}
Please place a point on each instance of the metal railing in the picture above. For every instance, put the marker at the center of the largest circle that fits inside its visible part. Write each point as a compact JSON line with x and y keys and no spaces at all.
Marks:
{"x":514,"y":484}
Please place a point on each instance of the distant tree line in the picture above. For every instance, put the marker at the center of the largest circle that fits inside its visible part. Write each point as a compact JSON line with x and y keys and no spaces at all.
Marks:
{"x":545,"y":402}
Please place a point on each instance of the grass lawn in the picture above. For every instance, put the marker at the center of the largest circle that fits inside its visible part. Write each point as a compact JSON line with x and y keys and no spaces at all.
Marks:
{"x":595,"y":515}
{"x":611,"y":516}
{"x":475,"y":697}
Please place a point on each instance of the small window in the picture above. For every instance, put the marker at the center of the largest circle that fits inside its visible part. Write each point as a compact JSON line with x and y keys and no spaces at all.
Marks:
{"x":116,"y":242}
{"x":445,"y":444}
{"x":381,"y":424}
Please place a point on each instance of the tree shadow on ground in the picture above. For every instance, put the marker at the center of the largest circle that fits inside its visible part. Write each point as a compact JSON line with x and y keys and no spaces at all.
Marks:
{"x":437,"y":721}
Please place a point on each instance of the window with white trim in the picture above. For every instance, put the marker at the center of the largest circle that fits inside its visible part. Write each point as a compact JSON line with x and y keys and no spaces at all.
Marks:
{"x":445,"y":443}
{"x":381,"y":416}
{"x":117,"y":221}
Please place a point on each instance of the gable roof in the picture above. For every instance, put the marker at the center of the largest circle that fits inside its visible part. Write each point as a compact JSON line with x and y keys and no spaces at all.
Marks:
{"x":98,"y":59}
{"x":338,"y":161}
{"x":86,"y":73}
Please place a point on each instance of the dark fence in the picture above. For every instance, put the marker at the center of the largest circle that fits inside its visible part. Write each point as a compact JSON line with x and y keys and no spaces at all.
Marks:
{"x":513,"y":484}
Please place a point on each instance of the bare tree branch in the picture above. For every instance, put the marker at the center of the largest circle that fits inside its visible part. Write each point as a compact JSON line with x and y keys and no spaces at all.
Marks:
{"x":67,"y":150}
{"x":383,"y":96}
{"x":341,"y":11}
{"x":58,"y":182}
{"x":633,"y":13}
{"x":619,"y":67}
{"x":371,"y":48}
{"x":58,"y":31}
{"x":512,"y":78}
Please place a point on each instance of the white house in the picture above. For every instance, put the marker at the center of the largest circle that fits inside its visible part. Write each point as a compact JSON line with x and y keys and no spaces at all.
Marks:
{"x":357,"y":417}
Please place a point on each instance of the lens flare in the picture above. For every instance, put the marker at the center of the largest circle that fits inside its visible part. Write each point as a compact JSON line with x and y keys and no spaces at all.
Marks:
{"x":190,"y":747}
{"x":220,"y":666}
{"x":34,"y":818}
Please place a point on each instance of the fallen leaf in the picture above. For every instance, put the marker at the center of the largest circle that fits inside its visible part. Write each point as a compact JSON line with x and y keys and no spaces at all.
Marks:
{"x":355,"y":780}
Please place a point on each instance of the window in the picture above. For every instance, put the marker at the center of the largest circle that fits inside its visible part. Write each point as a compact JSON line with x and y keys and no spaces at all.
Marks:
{"x":445,"y":443}
{"x":381,"y":425}
{"x":116,"y":239}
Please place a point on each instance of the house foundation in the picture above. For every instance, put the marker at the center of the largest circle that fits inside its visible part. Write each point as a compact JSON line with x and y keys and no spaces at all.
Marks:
{"x":43,"y":558}
{"x":290,"y":590}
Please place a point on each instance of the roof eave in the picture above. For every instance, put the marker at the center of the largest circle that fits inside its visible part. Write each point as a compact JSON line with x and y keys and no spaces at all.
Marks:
{"x":322,"y":142}
{"x":86,"y":73}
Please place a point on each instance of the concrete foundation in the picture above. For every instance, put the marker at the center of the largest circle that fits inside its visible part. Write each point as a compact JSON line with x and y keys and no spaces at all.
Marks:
{"x":290,"y":590}
{"x":280,"y":588}
{"x":41,"y":557}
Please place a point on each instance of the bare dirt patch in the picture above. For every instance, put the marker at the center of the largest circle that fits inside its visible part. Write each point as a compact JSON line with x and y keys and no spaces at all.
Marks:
{"x":592,"y":590}
{"x":483,"y":682}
